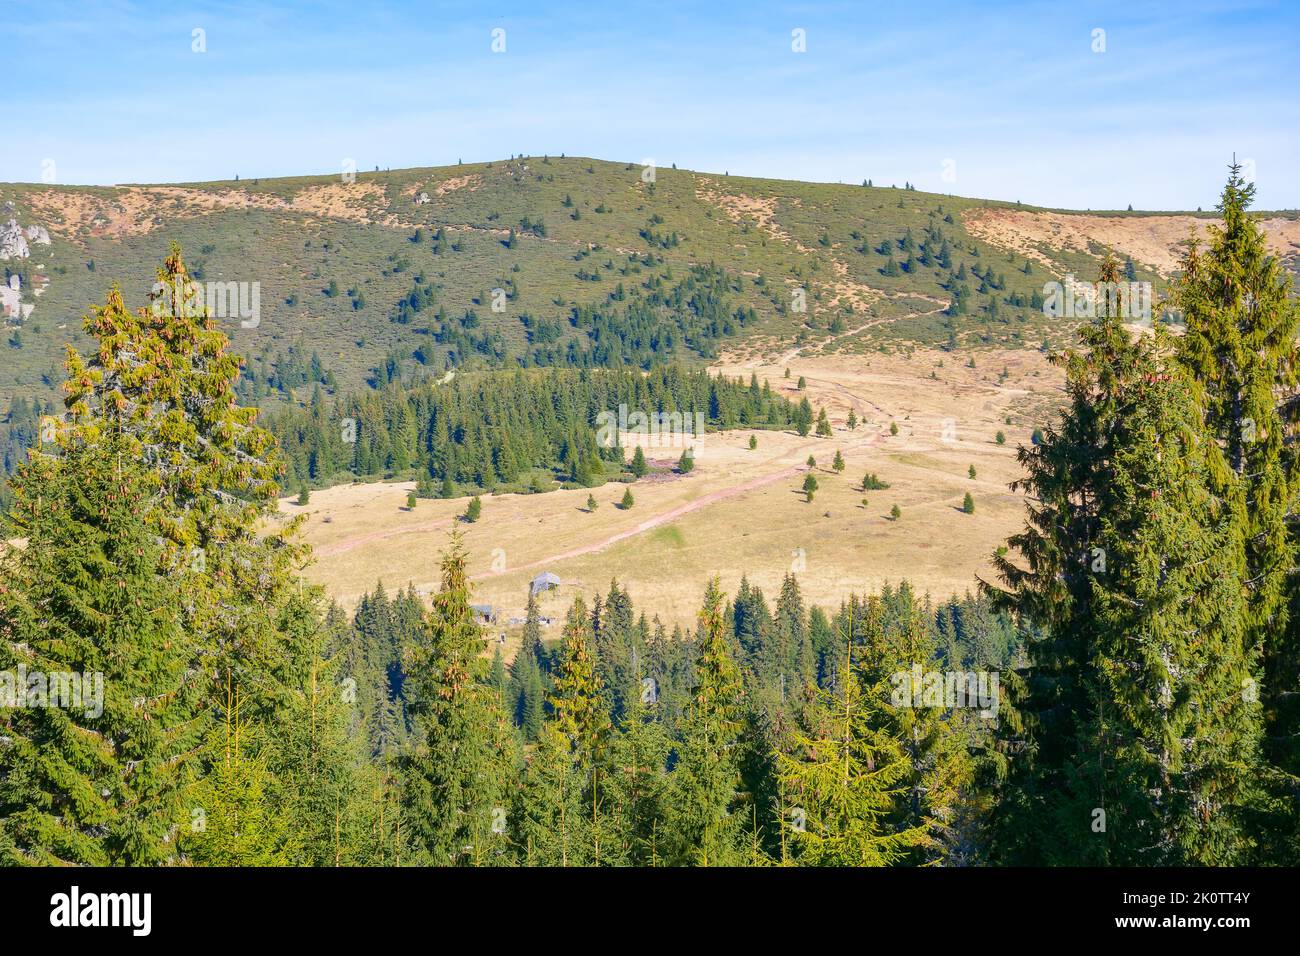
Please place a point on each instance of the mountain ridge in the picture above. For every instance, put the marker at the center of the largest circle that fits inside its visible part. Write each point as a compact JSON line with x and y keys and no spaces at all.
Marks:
{"x":549,"y":260}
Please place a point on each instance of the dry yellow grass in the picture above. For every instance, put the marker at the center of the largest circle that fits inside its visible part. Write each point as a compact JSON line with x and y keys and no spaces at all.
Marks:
{"x":1155,"y":240}
{"x":740,"y":512}
{"x":140,"y":210}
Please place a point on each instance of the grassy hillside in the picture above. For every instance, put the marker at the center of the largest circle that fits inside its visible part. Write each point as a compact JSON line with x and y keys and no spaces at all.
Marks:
{"x":586,"y":234}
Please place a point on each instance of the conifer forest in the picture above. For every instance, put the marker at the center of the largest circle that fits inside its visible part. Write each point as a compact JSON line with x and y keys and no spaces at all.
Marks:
{"x":865,"y":483}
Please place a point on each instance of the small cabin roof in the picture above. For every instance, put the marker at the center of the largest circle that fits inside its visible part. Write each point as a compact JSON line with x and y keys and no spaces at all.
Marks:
{"x":547,"y":579}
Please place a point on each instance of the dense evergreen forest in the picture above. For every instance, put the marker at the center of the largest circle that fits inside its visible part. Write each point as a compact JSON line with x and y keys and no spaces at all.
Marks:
{"x":1141,"y":627}
{"x":488,"y":434}
{"x":644,"y":320}
{"x":494,"y":430}
{"x":19,"y":433}
{"x":636,"y":683}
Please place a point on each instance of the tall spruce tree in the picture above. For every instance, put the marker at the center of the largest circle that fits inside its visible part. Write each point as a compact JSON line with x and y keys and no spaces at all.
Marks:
{"x":548,"y":819}
{"x":323,"y":777}
{"x":456,"y":776}
{"x":842,"y":778}
{"x":706,"y":831}
{"x":1240,"y":347}
{"x":163,"y":380}
{"x":528,"y":685}
{"x":1141,"y":732}
{"x":97,"y":777}
{"x":638,"y":785}
{"x":580,"y":715}
{"x":935,"y":737}
{"x":794,"y":646}
{"x":1242,"y":320}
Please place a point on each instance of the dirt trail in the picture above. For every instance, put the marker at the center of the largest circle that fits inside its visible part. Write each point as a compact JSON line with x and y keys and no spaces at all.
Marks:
{"x":649,"y":524}
{"x":704,"y":501}
{"x":655,"y":521}
{"x":781,"y":473}
{"x":752,"y":484}
{"x":793,"y":353}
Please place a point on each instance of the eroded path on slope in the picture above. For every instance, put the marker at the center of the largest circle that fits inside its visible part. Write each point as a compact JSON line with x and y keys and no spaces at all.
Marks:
{"x":703,"y":501}
{"x":788,"y":466}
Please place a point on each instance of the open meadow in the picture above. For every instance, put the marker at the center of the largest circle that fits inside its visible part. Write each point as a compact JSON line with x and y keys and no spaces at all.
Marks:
{"x":741,"y":511}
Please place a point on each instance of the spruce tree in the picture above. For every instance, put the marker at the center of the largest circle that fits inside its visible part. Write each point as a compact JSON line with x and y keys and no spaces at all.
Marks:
{"x":529,"y":699}
{"x":1242,"y":320}
{"x":842,"y":780}
{"x":233,"y":823}
{"x":1141,"y":737}
{"x":455,"y":778}
{"x":809,"y":486}
{"x":99,"y":777}
{"x":793,"y":644}
{"x":579,"y":714}
{"x":639,"y":466}
{"x":532,"y":700}
{"x":706,"y":831}
{"x":803,"y":417}
{"x":163,"y":379}
{"x":936,"y":737}
{"x":548,"y":816}
{"x":323,"y":778}
{"x":638,"y":784}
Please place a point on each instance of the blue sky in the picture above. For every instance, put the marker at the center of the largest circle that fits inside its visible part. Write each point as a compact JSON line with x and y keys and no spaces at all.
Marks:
{"x":1007,"y":97}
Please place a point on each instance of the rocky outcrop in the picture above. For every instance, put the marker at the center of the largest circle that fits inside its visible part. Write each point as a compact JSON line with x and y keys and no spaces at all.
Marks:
{"x":11,"y":302}
{"x":16,"y":242}
{"x":13,"y":244}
